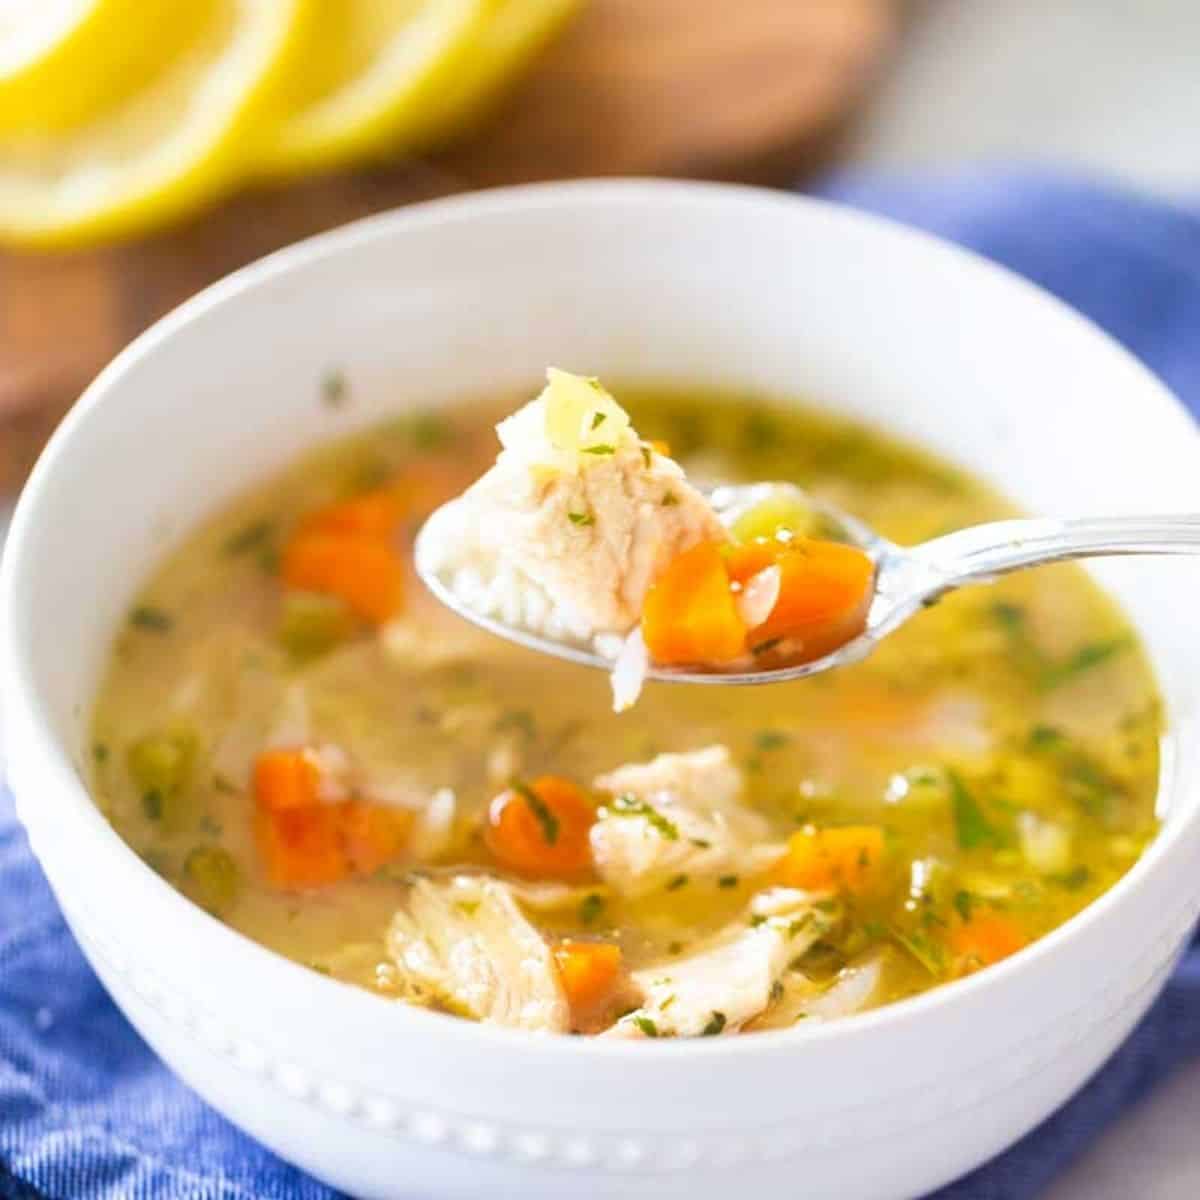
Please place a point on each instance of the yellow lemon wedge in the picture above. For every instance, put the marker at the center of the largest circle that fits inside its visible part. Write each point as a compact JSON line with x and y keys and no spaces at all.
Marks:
{"x":61,"y":60}
{"x":372,"y":73}
{"x":517,"y":32}
{"x":180,"y":138}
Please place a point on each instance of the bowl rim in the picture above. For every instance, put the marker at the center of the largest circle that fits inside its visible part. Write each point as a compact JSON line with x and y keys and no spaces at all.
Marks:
{"x":21,"y":695}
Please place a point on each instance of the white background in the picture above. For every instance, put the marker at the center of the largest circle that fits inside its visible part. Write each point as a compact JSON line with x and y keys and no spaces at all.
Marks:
{"x":1113,"y":86}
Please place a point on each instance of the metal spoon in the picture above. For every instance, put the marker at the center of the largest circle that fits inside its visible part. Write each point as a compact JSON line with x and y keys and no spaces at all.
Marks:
{"x":907,"y":578}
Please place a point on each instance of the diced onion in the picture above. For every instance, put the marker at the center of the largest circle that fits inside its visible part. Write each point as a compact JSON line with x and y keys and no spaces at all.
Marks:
{"x":758,"y":597}
{"x":629,"y":671}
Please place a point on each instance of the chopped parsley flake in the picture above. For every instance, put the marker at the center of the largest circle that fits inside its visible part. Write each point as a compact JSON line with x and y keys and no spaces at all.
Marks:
{"x":598,"y":419}
{"x":1074,"y":879}
{"x":1090,"y":655}
{"x":701,"y":843}
{"x":100,"y":753}
{"x":545,"y":818}
{"x":153,"y":620}
{"x":581,"y":518}
{"x":334,"y":390}
{"x":771,"y":739}
{"x":255,"y":536}
{"x":1042,"y":737}
{"x":603,"y":449}
{"x":629,"y":805}
{"x":646,"y":1025}
{"x":518,"y":720}
{"x":590,"y":907}
{"x":727,"y":881}
{"x":971,"y":824}
{"x":715,"y":1024}
{"x":677,"y":882}
{"x":963,"y":903}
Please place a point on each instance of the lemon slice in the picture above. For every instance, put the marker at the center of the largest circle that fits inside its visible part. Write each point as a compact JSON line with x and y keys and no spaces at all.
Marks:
{"x":500,"y":52}
{"x":63,"y":59}
{"x":179,"y":139}
{"x":373,"y":71}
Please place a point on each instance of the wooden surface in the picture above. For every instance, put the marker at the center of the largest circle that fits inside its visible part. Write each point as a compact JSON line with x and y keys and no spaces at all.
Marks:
{"x":731,"y":89}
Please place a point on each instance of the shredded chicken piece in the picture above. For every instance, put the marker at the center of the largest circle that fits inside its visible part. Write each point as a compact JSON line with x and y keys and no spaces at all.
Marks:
{"x":800,"y":999}
{"x":463,"y":942}
{"x":679,"y":814}
{"x":734,"y":978}
{"x":565,"y":534}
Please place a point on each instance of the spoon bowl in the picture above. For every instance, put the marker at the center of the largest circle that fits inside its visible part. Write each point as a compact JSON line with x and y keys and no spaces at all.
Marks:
{"x":907,"y":579}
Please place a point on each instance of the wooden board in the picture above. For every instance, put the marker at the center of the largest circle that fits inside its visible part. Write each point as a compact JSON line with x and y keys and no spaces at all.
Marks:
{"x":752,"y":90}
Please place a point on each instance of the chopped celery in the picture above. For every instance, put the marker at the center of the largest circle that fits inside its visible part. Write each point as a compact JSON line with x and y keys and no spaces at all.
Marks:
{"x":785,"y":508}
{"x":312,"y":625}
{"x":211,"y":878}
{"x":160,"y":765}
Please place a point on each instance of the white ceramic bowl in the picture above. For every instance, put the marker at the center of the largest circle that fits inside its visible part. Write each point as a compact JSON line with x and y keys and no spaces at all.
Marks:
{"x":675,"y":281}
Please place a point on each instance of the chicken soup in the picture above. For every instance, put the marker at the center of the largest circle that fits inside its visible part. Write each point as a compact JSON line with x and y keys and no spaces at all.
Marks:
{"x":295,"y":735}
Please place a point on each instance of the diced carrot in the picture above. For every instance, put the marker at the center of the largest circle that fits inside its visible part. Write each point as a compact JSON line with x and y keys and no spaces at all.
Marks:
{"x":365,"y":572}
{"x":825,"y":590}
{"x":985,"y":939}
{"x":589,"y":973}
{"x":845,"y":858}
{"x":300,"y":847}
{"x":745,"y":561}
{"x":689,"y":614}
{"x":372,"y":834}
{"x":285,"y":779}
{"x":372,"y":514}
{"x":541,"y":829}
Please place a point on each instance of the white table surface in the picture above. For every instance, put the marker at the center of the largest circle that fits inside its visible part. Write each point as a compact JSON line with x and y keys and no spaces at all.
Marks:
{"x":1113,"y":86}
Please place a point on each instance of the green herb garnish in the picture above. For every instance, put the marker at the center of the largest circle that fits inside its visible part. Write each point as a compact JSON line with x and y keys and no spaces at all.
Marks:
{"x":590,"y":907}
{"x":926,"y":952}
{"x":1087,"y":656}
{"x":629,"y":805}
{"x":771,"y":739}
{"x":727,"y":881}
{"x":970,"y":823}
{"x":599,"y":450}
{"x":715,"y":1024}
{"x":254,"y":536}
{"x":1043,"y":737}
{"x":598,"y":419}
{"x":520,"y":720}
{"x":678,"y":881}
{"x":152,"y":804}
{"x":646,"y":1025}
{"x":100,"y":753}
{"x":1074,"y":879}
{"x":545,"y":818}
{"x":153,"y":620}
{"x":963,"y":904}
{"x":334,"y":390}
{"x":578,"y":518}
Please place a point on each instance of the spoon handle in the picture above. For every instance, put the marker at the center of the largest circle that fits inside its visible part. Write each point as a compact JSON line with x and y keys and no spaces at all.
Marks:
{"x":981,"y":552}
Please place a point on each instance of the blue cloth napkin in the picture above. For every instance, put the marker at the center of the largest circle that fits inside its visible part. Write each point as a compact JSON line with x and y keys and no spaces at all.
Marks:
{"x":86,"y":1110}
